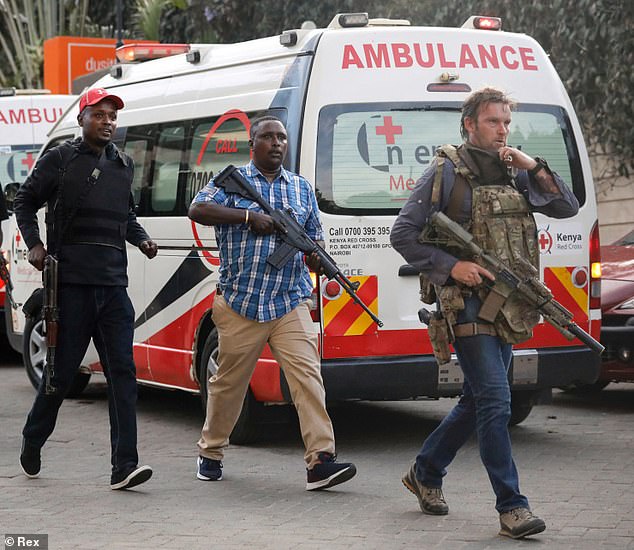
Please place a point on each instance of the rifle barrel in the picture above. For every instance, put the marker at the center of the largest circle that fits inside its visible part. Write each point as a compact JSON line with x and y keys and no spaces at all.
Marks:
{"x":586,"y":338}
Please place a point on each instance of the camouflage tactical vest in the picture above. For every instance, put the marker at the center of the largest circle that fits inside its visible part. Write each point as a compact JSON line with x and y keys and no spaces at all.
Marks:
{"x":502,"y":224}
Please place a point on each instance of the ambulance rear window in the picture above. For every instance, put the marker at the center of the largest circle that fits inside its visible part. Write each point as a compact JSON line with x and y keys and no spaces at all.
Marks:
{"x":371,"y":155}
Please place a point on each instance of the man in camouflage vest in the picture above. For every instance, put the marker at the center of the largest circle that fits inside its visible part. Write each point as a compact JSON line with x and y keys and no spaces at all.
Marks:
{"x":491,"y":189}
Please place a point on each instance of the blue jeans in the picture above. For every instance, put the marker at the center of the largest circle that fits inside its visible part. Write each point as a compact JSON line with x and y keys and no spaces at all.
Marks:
{"x":105,"y":314}
{"x":485,"y":407}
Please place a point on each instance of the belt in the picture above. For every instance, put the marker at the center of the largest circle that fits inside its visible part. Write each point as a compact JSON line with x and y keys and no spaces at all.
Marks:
{"x":474,"y":329}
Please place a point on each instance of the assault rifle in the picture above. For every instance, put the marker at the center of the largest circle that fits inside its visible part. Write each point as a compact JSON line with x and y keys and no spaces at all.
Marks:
{"x":51,"y":319}
{"x":8,"y":285}
{"x":524,"y":280}
{"x":293,"y":236}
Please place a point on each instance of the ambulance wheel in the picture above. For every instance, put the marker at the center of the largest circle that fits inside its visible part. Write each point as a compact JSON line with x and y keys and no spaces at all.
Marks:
{"x":34,"y":356}
{"x":247,"y":427}
{"x":521,"y":406}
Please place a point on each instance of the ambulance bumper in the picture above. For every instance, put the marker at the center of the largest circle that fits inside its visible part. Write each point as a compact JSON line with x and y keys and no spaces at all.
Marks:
{"x":393,"y":378}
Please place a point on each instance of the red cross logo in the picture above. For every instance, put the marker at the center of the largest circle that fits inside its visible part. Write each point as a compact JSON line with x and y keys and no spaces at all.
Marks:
{"x":28,"y":161}
{"x":545,"y":241}
{"x":388,"y":130}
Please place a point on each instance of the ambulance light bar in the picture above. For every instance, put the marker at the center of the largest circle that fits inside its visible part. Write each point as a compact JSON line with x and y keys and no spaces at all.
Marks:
{"x":346,"y":20}
{"x":353,"y":19}
{"x":7,"y":92}
{"x":385,"y":22}
{"x":131,"y":53}
{"x":484,"y":23}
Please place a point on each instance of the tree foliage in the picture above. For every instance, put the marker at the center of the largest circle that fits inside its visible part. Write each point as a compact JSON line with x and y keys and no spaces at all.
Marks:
{"x":590,"y":42}
{"x":24,"y":25}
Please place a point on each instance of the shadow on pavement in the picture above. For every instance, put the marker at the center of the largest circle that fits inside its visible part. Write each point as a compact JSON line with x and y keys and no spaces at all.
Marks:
{"x":615,"y":398}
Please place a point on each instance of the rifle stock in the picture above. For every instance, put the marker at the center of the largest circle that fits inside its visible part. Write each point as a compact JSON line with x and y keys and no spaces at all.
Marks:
{"x":293,"y":235}
{"x":524,"y":281}
{"x":51,"y":319}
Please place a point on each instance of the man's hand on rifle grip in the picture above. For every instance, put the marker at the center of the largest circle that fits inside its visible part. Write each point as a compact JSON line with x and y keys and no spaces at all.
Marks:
{"x":261,"y":223}
{"x":36,"y":256}
{"x":314,"y":263}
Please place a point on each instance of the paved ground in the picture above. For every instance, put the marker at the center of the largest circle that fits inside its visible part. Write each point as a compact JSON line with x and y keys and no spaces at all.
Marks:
{"x":576,"y":460}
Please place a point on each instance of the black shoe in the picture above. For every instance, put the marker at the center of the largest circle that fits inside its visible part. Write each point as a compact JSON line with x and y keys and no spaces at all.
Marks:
{"x":328,"y":472}
{"x":209,"y":469}
{"x":131,"y":477}
{"x":30,"y":460}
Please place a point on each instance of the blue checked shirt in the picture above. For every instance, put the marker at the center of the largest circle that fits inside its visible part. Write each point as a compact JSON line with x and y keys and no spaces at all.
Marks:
{"x":250,"y":286}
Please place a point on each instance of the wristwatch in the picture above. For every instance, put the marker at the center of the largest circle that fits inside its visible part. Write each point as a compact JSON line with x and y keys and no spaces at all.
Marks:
{"x":541,"y":163}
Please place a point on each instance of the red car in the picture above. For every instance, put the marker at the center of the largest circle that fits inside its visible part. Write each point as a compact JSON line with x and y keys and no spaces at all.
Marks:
{"x":617,"y":307}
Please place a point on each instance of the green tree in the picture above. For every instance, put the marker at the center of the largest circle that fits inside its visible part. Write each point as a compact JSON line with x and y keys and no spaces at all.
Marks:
{"x":23,"y":28}
{"x":149,"y":14}
{"x":591,"y":44}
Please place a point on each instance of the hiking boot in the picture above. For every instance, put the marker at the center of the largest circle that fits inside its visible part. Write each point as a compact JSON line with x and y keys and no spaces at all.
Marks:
{"x":30,"y":460}
{"x":519,"y":523}
{"x":131,"y":477}
{"x":209,"y":469}
{"x":430,"y":499}
{"x":328,"y":472}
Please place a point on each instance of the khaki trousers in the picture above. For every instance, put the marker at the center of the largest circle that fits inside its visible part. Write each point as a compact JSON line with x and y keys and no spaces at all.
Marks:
{"x":294,"y":345}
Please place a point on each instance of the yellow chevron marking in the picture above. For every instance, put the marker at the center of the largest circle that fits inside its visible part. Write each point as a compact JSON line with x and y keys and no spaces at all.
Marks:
{"x":363,"y":321}
{"x":332,"y":307}
{"x":580,"y":295}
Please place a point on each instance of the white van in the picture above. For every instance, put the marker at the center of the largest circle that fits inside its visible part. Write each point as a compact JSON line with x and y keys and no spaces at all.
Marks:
{"x":365,"y":102}
{"x":26,"y":116}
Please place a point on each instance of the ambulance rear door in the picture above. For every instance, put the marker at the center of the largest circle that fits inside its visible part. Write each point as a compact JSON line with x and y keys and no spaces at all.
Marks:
{"x":393,"y":95}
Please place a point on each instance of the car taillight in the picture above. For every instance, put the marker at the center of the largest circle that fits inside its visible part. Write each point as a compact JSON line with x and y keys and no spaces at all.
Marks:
{"x":595,"y":268}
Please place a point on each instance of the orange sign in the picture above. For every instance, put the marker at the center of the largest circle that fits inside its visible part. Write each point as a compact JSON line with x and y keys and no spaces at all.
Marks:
{"x":68,"y":57}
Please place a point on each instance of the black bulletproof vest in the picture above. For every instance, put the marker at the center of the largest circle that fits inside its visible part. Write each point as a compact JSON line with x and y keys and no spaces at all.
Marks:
{"x":103,"y":213}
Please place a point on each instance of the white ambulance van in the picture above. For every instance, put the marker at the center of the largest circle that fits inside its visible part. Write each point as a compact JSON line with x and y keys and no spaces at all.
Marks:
{"x":366,"y":103}
{"x":26,"y":116}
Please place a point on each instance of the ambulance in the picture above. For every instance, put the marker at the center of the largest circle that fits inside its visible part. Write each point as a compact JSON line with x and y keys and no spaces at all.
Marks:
{"x":26,"y":116}
{"x":366,"y":102}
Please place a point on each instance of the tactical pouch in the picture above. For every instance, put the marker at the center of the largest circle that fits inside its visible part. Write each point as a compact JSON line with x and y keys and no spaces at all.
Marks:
{"x":440,"y":335}
{"x":427,"y":290}
{"x":451,"y":302}
{"x":516,"y":320}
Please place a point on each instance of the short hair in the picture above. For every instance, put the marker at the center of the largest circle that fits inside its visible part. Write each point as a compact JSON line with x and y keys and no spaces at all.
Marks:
{"x":261,"y":119}
{"x":480,"y":98}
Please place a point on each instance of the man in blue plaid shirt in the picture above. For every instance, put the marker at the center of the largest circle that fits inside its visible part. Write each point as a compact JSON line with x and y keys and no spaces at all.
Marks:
{"x":257,"y":304}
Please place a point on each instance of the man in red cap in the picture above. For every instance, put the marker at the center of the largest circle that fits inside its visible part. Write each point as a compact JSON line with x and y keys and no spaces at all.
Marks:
{"x":87,"y":184}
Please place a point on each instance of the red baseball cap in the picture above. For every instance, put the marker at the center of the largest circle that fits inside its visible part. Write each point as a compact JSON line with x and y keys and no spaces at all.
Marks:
{"x":91,"y":97}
